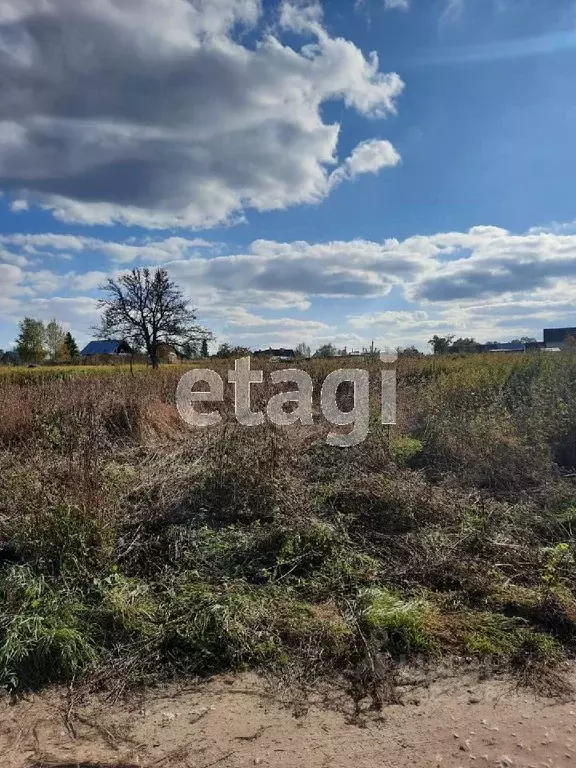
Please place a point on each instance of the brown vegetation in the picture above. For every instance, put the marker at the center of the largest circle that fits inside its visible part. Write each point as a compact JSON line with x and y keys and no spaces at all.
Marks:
{"x":133,"y":547}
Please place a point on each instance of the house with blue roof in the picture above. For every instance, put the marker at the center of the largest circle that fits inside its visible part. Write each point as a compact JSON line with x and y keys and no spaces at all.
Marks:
{"x":107,"y":347}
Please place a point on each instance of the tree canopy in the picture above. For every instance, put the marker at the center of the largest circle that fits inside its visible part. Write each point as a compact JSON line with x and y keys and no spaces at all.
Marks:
{"x":69,"y":348}
{"x":441,"y":344}
{"x":326,"y":350}
{"x":30,"y":342}
{"x":146,"y":308}
{"x":55,"y":337}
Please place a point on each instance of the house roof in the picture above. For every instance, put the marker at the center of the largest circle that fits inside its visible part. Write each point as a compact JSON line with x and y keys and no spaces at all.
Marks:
{"x":552,"y":335}
{"x":505,"y":346}
{"x":511,"y":346}
{"x":107,"y":347}
{"x":274,"y":352}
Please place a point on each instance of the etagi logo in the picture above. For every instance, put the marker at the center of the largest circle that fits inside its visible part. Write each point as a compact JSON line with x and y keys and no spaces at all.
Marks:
{"x":242,"y":378}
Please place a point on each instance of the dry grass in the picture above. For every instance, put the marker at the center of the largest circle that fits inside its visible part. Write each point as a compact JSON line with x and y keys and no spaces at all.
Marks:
{"x":133,"y":548}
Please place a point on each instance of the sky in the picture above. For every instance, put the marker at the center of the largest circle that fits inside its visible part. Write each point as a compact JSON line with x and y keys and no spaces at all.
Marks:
{"x":342,"y":172}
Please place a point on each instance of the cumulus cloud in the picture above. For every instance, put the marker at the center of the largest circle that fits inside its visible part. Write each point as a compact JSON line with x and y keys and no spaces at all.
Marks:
{"x":16,"y":206}
{"x":496,"y":262}
{"x":143,"y":250}
{"x":10,"y":276}
{"x":156,"y":112}
{"x":368,"y":157}
{"x":9,"y":257}
{"x":242,"y":318}
{"x":292,"y":274}
{"x":485,"y":262}
{"x":270,"y":273}
{"x":485,"y":282}
{"x":243,"y":327}
{"x":253,"y":330}
{"x":388,"y":318}
{"x":31,"y":242}
{"x":77,"y":312}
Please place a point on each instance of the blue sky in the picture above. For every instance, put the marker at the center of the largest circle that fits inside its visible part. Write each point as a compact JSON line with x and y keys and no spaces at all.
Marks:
{"x":337,"y":171}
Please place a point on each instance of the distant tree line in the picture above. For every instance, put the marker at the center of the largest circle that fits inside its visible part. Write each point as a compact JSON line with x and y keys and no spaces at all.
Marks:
{"x":143,"y":308}
{"x":444,"y":345}
{"x":147,"y":310}
{"x":38,"y":342}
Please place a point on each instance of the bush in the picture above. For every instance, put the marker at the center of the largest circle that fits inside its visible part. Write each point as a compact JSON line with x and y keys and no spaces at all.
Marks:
{"x":43,"y":634}
{"x":405,"y":449}
{"x":63,"y":536}
{"x":403,"y":625}
{"x":214,"y":627}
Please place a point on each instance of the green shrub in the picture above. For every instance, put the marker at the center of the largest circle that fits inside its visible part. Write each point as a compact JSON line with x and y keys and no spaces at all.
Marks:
{"x":405,"y":449}
{"x":43,"y":635}
{"x":60,"y":535}
{"x":217,"y":627}
{"x":510,"y":638}
{"x":124,"y":607}
{"x":402,"y":623}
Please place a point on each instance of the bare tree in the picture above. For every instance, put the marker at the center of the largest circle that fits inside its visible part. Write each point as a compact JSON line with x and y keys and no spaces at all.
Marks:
{"x":303,"y":350}
{"x":148,"y":309}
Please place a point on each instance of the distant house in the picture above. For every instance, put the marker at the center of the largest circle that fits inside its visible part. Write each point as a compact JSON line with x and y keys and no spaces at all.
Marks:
{"x":276,"y":354}
{"x":106,"y":347}
{"x":9,"y":358}
{"x":167,"y":353}
{"x":504,"y":346}
{"x":509,"y":346}
{"x":561,"y":338}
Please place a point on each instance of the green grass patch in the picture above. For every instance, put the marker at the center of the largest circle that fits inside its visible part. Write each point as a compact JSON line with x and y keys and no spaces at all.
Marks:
{"x":402,"y":623}
{"x":43,"y":632}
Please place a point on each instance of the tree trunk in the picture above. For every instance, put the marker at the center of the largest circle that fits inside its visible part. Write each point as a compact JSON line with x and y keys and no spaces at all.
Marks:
{"x":154,"y":360}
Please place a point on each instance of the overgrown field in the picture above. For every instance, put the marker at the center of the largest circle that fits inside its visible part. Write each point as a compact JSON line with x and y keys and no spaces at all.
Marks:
{"x":134,"y":548}
{"x":22,"y":374}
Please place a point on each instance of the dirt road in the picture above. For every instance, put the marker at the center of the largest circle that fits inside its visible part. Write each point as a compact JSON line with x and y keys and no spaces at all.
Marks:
{"x":237,"y":721}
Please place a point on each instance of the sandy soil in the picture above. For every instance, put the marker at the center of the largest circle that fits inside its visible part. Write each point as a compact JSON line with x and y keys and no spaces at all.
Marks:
{"x":238,"y":721}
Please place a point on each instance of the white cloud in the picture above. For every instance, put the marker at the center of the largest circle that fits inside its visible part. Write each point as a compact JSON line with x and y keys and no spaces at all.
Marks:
{"x":154,"y":113}
{"x":388,"y":318}
{"x":29,"y":242}
{"x":8,"y":257}
{"x":568,"y":228}
{"x":8,"y":307}
{"x":10,"y":276}
{"x":371,"y":156}
{"x":247,"y":322}
{"x":144,"y":250}
{"x":16,"y":206}
{"x":483,"y":263}
{"x":494,"y":263}
{"x":398,"y":5}
{"x":367,"y":157}
{"x":485,"y":282}
{"x":78,"y":312}
{"x":154,"y":251}
{"x":243,"y":327}
{"x":452,"y":11}
{"x":87,"y":281}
